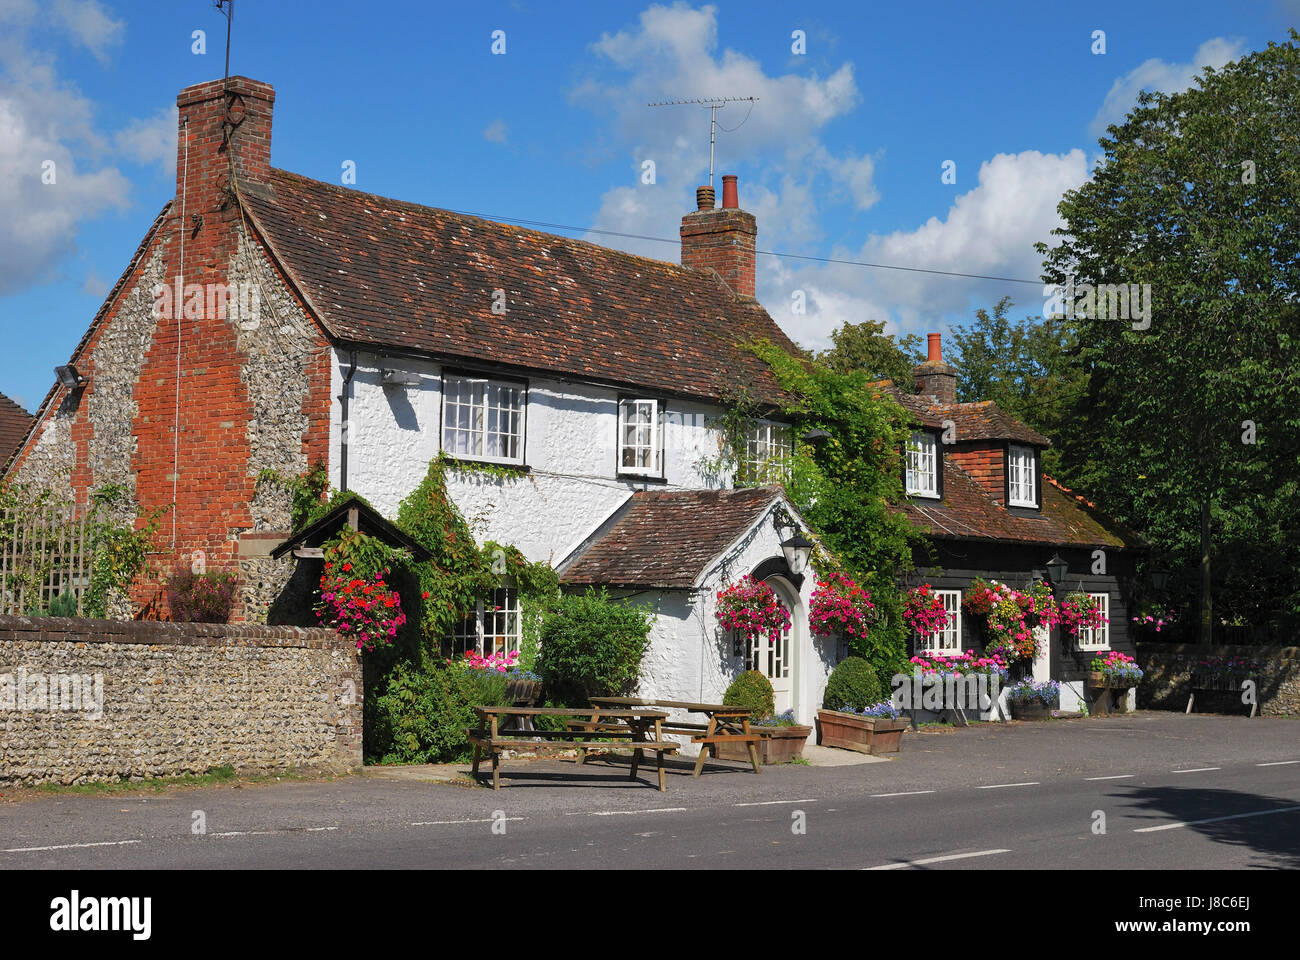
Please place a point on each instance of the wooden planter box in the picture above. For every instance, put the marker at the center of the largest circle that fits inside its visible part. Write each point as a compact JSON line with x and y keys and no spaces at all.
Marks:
{"x":1111,"y":696}
{"x":1030,"y":710}
{"x":523,"y":693}
{"x":849,"y":731}
{"x":1099,"y":680}
{"x":778,"y":745}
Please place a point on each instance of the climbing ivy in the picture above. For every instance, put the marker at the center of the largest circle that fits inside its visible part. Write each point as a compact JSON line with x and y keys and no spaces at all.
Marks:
{"x":848,"y":485}
{"x":120,"y":552}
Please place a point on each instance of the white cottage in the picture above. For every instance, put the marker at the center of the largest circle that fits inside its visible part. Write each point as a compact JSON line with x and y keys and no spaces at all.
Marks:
{"x":373,"y":335}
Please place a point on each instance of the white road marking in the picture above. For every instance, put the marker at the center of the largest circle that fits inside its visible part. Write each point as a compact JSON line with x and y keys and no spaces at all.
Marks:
{"x":906,"y":793}
{"x":72,"y":846}
{"x":1196,"y":770}
{"x":1118,"y":776}
{"x":623,"y":813}
{"x":1235,"y":816}
{"x":770,"y":803}
{"x":439,"y":823}
{"x":944,"y":859}
{"x":999,"y":786}
{"x":1277,"y":763}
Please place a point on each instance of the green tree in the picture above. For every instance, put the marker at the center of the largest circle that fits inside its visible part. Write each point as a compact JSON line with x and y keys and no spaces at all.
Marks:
{"x":1029,"y":369}
{"x":849,"y":485}
{"x":865,"y":346}
{"x":1194,"y":417}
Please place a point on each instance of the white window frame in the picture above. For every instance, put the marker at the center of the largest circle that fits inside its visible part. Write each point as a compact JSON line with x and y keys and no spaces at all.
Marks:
{"x":475,"y":428}
{"x":1099,"y":639}
{"x":923,"y":449}
{"x":654,"y":444}
{"x":769,"y":450}
{"x":937,"y":644}
{"x":1022,"y":476}
{"x":496,"y":626}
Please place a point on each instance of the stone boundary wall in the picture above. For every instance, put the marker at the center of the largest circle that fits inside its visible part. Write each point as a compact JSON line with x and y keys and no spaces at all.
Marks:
{"x":1167,"y":675}
{"x":86,"y":700}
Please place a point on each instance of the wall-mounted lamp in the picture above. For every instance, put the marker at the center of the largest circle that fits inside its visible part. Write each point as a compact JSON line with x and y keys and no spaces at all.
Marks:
{"x":797,"y":549}
{"x":1159,"y":578}
{"x":1057,"y":569}
{"x":815,"y":436}
{"x":69,"y":377}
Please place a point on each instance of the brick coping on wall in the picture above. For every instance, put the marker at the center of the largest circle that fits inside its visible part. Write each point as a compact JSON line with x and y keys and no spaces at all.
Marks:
{"x":153,"y":632}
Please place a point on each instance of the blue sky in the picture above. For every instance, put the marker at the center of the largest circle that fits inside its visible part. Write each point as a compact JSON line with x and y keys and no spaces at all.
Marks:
{"x":841,"y":157}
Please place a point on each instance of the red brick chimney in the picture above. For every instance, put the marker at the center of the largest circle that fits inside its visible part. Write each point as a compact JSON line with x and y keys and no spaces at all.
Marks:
{"x":722,"y":239}
{"x":225,"y":125}
{"x":934,"y":378}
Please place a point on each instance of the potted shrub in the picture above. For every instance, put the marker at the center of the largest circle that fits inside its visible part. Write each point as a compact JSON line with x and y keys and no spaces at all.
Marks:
{"x":1034,"y":701}
{"x":855,"y":714}
{"x":782,"y":738}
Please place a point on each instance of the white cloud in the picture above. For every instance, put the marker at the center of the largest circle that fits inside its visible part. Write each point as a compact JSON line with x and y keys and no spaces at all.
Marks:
{"x":1159,"y":76}
{"x":53,"y":153}
{"x":496,"y":132}
{"x":792,"y":179}
{"x":991,"y":230}
{"x":671,"y":53}
{"x":151,"y":140}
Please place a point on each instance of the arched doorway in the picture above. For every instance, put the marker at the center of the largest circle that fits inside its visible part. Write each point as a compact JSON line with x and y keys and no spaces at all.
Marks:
{"x":778,"y":659}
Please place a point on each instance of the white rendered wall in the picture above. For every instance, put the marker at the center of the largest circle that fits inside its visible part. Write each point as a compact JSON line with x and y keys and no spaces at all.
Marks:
{"x":570,"y":446}
{"x":690,"y":655}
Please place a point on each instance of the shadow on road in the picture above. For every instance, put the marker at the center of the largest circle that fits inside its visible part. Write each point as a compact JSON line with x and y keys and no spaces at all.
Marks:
{"x":1233,"y":818}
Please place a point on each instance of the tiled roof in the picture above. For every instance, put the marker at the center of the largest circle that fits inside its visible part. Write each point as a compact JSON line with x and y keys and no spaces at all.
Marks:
{"x":385,"y":273}
{"x":968,"y":512}
{"x":14,"y":424}
{"x":980,"y":420}
{"x":666,"y":539}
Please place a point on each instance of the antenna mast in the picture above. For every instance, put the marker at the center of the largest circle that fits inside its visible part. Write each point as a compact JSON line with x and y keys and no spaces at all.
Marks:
{"x":714,"y":104}
{"x":227,"y":8}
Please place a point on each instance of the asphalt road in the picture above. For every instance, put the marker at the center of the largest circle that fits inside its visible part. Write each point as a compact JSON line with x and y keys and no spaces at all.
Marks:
{"x":1152,"y":791}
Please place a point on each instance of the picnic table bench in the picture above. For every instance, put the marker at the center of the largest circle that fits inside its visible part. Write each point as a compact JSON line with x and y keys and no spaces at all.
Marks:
{"x":726,"y":724}
{"x":622,"y":729}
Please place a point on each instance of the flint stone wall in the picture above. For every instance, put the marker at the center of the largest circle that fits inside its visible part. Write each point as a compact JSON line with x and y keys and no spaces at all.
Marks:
{"x":177,"y":698}
{"x":1167,"y":678}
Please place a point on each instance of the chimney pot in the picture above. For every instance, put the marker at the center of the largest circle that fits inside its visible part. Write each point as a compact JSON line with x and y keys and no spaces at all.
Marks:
{"x":935,"y":348}
{"x":729,"y":198}
{"x":704,"y":198}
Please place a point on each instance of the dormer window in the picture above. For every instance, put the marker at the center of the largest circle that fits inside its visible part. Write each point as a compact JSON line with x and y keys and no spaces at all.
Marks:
{"x":1022,"y":476}
{"x":922,"y":465}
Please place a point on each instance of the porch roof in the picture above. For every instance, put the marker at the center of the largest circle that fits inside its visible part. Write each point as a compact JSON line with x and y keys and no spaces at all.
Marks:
{"x":666,"y":539}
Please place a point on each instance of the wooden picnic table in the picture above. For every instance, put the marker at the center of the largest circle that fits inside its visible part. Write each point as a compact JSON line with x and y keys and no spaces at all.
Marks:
{"x":632,"y":726}
{"x":726,"y":724}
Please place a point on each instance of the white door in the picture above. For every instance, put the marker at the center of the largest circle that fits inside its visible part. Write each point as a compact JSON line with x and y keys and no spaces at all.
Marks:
{"x":774,"y":659}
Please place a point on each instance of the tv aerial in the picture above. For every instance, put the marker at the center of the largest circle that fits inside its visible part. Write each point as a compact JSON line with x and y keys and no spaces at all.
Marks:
{"x":714,"y":104}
